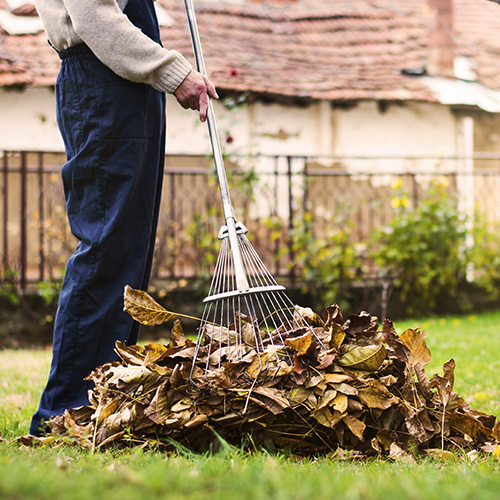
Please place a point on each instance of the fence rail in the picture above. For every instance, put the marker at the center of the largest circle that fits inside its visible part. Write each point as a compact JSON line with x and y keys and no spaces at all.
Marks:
{"x":273,"y":196}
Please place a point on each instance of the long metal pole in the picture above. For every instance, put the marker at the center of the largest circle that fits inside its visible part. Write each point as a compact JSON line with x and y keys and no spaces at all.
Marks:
{"x":227,"y":207}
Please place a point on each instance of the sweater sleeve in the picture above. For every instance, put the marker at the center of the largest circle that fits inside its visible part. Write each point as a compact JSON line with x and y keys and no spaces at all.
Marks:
{"x":123,"y":47}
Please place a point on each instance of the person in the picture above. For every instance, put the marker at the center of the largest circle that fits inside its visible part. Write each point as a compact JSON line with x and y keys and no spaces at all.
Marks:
{"x":110,"y":104}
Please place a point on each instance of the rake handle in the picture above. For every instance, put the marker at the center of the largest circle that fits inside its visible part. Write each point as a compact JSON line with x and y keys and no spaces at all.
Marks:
{"x":227,"y":207}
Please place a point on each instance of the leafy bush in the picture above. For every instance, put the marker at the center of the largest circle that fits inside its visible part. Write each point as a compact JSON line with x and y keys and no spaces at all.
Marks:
{"x":485,"y":255}
{"x":423,"y":249}
{"x":327,"y":264}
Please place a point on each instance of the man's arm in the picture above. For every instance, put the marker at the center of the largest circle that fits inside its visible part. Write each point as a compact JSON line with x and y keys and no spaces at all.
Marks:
{"x":131,"y":54}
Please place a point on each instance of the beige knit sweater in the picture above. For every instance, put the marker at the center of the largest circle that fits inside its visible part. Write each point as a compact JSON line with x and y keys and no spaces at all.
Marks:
{"x":119,"y":44}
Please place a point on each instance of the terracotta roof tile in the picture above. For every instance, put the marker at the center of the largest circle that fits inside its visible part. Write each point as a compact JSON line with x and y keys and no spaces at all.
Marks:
{"x":313,"y":49}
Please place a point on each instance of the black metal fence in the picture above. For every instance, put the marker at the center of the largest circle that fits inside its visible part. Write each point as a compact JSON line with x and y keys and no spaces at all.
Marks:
{"x":273,"y":196}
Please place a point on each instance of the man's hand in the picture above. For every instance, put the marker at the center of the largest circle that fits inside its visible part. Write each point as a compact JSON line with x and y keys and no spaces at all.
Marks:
{"x":193,"y":93}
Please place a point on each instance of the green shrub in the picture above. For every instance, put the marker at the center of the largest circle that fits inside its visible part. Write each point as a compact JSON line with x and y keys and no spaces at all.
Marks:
{"x":423,"y":249}
{"x":485,"y":255}
{"x":326,"y":265}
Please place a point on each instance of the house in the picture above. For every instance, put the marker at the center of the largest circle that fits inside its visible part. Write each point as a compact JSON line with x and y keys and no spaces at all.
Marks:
{"x":364,"y":86}
{"x":312,"y":74}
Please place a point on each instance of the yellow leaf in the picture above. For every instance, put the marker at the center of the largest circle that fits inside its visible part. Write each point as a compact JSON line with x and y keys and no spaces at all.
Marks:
{"x":153,"y":352}
{"x":440,"y":454}
{"x":184,"y":404}
{"x":104,"y":411}
{"x":340,"y":402}
{"x":117,"y":422}
{"x":132,"y":355}
{"x":336,"y":378}
{"x":337,"y":336}
{"x":357,"y":427}
{"x":327,"y":398}
{"x":414,"y":340}
{"x":300,"y":344}
{"x":144,"y":309}
{"x":177,"y":335}
{"x":373,"y":397}
{"x":323,"y":417}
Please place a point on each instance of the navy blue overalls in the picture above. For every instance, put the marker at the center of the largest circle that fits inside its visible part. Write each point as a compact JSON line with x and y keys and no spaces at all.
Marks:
{"x":114,"y":136}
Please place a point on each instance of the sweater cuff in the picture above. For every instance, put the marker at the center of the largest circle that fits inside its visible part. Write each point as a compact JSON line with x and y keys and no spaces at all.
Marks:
{"x":174,"y":73}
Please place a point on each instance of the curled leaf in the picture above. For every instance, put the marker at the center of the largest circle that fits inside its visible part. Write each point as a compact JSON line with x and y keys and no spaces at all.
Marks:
{"x":333,"y":315}
{"x":308,"y":315}
{"x":336,"y":336}
{"x":300,"y":344}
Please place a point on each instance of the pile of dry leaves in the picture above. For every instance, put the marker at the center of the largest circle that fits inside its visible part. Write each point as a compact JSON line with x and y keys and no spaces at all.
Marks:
{"x":364,"y":393}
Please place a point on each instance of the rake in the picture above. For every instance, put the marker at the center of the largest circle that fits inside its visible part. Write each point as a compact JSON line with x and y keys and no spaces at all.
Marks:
{"x":246,"y":310}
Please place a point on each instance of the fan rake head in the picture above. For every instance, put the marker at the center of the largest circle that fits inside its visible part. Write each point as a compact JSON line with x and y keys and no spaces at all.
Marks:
{"x":240,"y":321}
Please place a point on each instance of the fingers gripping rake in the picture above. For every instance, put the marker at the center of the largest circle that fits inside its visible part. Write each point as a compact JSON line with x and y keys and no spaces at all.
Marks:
{"x":246,"y":309}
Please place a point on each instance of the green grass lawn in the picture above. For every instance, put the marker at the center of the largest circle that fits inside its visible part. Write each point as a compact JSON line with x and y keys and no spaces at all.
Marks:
{"x":473,"y":341}
{"x":70,"y":473}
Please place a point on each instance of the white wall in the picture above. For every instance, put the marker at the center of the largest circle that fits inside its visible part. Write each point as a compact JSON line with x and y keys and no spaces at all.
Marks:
{"x":27,"y":122}
{"x":412,"y":129}
{"x":260,"y":128}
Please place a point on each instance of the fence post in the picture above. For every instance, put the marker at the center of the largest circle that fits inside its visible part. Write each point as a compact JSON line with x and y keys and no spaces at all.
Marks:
{"x":41,"y":218}
{"x":291,"y":252}
{"x":24,"y":216}
{"x":172,"y":226}
{"x":277,"y":267}
{"x":465,"y":182}
{"x":414,"y":184}
{"x":5,"y":169}
{"x":305,"y":192}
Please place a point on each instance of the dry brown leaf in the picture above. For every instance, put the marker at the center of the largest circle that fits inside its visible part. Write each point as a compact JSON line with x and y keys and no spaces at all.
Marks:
{"x":467,"y":425}
{"x":340,"y":402}
{"x":300,"y":344}
{"x":337,"y":378}
{"x":130,"y":354}
{"x":332,"y":316}
{"x":393,"y":340}
{"x":336,"y":336}
{"x":298,"y":395}
{"x":326,"y":399}
{"x":368,"y":395}
{"x":414,"y":340}
{"x":369,"y":358}
{"x":376,"y":395}
{"x":144,"y":309}
{"x":307,"y":314}
{"x":177,"y":338}
{"x":362,"y":323}
{"x":272,"y":399}
{"x":357,"y":427}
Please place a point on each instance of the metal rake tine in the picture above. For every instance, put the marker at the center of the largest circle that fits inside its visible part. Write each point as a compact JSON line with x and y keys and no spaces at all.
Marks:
{"x":241,"y":278}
